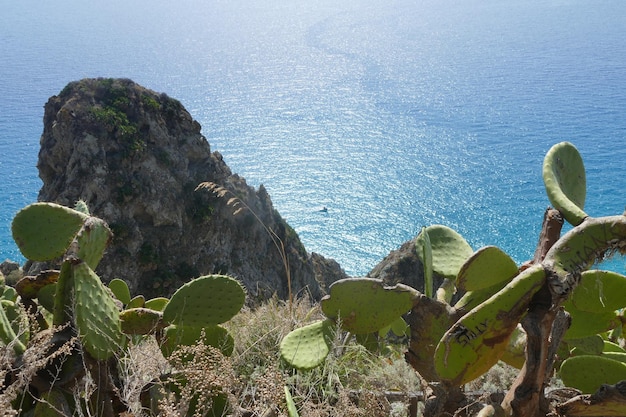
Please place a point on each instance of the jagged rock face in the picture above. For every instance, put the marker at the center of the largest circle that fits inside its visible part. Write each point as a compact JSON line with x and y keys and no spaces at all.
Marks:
{"x":136,"y":157}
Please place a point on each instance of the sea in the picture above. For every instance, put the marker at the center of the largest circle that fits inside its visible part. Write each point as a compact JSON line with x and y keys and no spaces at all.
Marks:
{"x":366,"y":120}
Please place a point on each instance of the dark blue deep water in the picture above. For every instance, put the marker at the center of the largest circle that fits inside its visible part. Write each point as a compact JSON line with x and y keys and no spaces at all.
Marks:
{"x":392,"y":114}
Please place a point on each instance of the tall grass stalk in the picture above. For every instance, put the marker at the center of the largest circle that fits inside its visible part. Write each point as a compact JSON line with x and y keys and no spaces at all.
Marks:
{"x":239,"y":205}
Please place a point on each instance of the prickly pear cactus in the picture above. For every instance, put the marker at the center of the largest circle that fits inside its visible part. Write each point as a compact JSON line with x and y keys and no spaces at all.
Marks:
{"x":366,"y":305}
{"x":425,"y":252}
{"x":308,"y":346}
{"x":565,"y":181}
{"x":599,"y":292}
{"x":8,"y":336}
{"x":478,"y":340}
{"x":96,"y":315}
{"x":92,"y":240}
{"x":216,"y":336}
{"x":581,"y":247}
{"x":140,"y":321}
{"x":448,"y":248}
{"x":487,"y":267}
{"x":588,"y":372}
{"x":120,"y":290}
{"x":205,"y":301}
{"x":44,"y":231}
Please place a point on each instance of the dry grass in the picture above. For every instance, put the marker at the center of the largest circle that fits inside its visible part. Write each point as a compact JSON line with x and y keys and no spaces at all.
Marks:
{"x":351,"y":382}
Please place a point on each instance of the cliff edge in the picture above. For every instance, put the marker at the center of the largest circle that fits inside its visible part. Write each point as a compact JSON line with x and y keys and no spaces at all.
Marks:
{"x":137,"y":157}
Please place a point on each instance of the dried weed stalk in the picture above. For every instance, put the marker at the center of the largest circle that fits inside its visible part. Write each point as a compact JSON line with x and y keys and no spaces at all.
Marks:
{"x":200,"y":373}
{"x":239,"y":205}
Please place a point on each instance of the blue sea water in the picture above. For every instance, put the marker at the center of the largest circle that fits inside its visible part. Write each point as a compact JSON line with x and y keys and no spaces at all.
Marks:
{"x":392,"y":114}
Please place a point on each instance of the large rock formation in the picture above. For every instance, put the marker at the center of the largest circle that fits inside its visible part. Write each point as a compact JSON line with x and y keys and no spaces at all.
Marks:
{"x":137,"y":157}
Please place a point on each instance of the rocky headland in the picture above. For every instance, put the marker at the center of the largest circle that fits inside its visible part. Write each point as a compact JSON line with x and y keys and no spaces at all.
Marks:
{"x":137,"y":157}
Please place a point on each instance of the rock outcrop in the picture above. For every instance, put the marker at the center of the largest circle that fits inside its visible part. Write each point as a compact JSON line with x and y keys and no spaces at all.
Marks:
{"x":137,"y":157}
{"x":403,"y":266}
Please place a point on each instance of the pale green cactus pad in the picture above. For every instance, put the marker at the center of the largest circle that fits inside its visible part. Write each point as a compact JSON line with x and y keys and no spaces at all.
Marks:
{"x":16,"y":314}
{"x":581,"y":247}
{"x":308,"y":346}
{"x":565,"y":181}
{"x":587,"y":324}
{"x":7,"y":334}
{"x":140,"y":320}
{"x":137,"y":302}
{"x":120,"y":290}
{"x":216,"y":336}
{"x":157,"y":303}
{"x":479,"y":339}
{"x":600,"y":291}
{"x":366,"y":305}
{"x":486,"y":267}
{"x":96,"y":315}
{"x":425,"y":253}
{"x":590,"y":345}
{"x":205,"y":301}
{"x":44,"y":231}
{"x":92,"y":240}
{"x":81,"y":206}
{"x":471,"y":299}
{"x":588,"y":372}
{"x":9,"y":293}
{"x":449,"y":250}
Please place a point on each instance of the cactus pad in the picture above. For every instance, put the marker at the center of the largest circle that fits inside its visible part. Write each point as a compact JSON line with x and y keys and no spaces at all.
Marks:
{"x":590,"y":345}
{"x":449,"y":250}
{"x":600,"y":291}
{"x":588,"y":372}
{"x":216,"y":336}
{"x":487,"y":267}
{"x":92,"y":240}
{"x":366,"y":305}
{"x":205,"y":301}
{"x":82,"y":207}
{"x":157,"y":303}
{"x":587,"y":324}
{"x":140,"y":320}
{"x":96,"y":315}
{"x":138,"y":301}
{"x":425,"y":253}
{"x":308,"y":346}
{"x":120,"y":290}
{"x":44,"y":231}
{"x":9,"y":293}
{"x":7,"y":334}
{"x":578,"y":249}
{"x":565,"y":182}
{"x":478,"y":339}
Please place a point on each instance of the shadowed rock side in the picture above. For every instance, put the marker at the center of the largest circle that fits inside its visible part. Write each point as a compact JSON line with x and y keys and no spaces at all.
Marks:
{"x":136,"y":158}
{"x":403,"y":266}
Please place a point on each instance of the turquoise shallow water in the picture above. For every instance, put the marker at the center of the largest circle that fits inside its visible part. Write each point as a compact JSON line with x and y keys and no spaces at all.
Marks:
{"x":393,"y":115}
